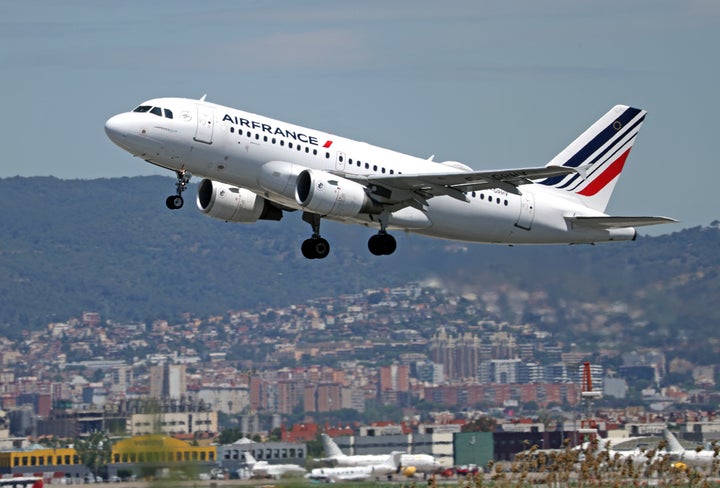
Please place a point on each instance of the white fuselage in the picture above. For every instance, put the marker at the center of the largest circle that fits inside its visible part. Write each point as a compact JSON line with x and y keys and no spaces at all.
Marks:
{"x":265,"y":469}
{"x":351,"y":473}
{"x":240,"y":148}
{"x":423,"y":463}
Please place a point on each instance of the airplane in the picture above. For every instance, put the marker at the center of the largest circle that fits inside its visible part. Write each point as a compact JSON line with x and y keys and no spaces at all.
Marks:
{"x":603,"y":448}
{"x":263,"y":469}
{"x":411,"y":463}
{"x":389,"y":466}
{"x":690,"y":457}
{"x":257,"y":168}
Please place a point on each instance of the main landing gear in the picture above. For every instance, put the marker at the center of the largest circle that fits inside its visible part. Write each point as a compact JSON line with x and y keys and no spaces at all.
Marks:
{"x":316,"y":247}
{"x":174,"y":202}
{"x":381,"y":244}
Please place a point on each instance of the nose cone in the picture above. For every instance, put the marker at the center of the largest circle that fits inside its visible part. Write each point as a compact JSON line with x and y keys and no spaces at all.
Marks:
{"x":116,"y":129}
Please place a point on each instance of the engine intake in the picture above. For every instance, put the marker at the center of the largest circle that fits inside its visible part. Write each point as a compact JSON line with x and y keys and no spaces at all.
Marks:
{"x":233,"y":204}
{"x":326,"y":194}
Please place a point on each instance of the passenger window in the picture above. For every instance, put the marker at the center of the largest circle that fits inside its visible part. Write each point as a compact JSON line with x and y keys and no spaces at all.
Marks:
{"x":168,"y":114}
{"x":157,"y":111}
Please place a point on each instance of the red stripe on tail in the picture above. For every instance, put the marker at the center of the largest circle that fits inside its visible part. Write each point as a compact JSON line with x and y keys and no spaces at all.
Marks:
{"x":606,"y":176}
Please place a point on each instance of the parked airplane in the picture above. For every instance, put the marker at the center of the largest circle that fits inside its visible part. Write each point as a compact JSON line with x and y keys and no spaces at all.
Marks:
{"x":263,"y":469}
{"x":691,"y":457}
{"x":389,"y":466}
{"x":410,"y":463}
{"x":258,"y":168}
{"x":604,"y":449}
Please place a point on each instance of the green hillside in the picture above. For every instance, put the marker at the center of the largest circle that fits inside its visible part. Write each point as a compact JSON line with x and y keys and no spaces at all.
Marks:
{"x":111,"y":246}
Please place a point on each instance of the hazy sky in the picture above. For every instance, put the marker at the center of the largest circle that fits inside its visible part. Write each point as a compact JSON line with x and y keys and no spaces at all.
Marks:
{"x":491,"y":84}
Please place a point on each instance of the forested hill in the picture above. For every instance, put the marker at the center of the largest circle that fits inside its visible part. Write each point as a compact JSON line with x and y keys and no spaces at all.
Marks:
{"x":111,"y":246}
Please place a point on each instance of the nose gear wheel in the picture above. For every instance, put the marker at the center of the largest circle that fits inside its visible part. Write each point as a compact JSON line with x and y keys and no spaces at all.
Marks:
{"x":174,"y":202}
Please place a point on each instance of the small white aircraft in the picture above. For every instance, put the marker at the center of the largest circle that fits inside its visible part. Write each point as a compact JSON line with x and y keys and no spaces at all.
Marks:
{"x":263,"y":469}
{"x":692,"y":457}
{"x":255,"y":167}
{"x":410,"y":463}
{"x":389,"y":466}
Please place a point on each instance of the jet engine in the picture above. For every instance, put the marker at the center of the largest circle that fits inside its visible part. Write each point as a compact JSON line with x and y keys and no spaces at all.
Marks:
{"x":233,"y":204}
{"x":323,"y":193}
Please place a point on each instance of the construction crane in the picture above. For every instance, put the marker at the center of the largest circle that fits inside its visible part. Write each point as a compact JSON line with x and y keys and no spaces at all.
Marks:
{"x":588,"y":425}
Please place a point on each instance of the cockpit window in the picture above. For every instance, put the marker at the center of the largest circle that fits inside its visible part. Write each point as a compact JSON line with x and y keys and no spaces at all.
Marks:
{"x":154,"y":110}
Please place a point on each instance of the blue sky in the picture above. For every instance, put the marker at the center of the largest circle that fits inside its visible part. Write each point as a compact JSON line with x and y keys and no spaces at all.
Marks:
{"x":491,"y":84}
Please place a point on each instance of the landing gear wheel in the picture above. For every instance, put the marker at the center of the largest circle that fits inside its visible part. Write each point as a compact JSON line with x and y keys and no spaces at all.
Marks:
{"x":382,"y":244}
{"x":174,"y":202}
{"x":315,"y":248}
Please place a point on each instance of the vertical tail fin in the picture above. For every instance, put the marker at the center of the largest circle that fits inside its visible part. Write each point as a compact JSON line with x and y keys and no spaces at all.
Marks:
{"x":673,"y":445}
{"x":331,"y":449}
{"x":599,"y":155}
{"x":394,"y":460}
{"x":249,"y":458}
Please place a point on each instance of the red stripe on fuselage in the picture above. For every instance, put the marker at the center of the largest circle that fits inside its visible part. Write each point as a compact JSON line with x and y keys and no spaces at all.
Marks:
{"x":606,"y":176}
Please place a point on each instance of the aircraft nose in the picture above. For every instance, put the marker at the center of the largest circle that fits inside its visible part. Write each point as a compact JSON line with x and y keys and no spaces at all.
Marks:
{"x":116,"y":128}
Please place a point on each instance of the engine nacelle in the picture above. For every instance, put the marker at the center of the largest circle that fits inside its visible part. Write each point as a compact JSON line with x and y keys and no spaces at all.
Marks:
{"x":326,"y":194}
{"x":278,"y":178}
{"x":233,"y":204}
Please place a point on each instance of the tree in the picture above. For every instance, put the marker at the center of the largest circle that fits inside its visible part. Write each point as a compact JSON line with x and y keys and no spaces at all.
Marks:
{"x":484,"y":423}
{"x":228,"y":436}
{"x":94,"y":452}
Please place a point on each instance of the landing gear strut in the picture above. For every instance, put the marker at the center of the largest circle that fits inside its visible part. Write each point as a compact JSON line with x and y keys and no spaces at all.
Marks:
{"x":174,"y":202}
{"x":382,"y":243}
{"x":316,"y":247}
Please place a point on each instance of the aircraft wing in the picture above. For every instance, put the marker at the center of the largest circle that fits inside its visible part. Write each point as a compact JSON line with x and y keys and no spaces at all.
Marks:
{"x":456,"y":184}
{"x":606,"y":222}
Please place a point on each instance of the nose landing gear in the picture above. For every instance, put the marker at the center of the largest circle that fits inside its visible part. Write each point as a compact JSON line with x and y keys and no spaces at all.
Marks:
{"x":175,"y":202}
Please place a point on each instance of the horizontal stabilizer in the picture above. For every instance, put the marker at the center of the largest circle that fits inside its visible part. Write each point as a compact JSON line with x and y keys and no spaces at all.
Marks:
{"x":607,"y":222}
